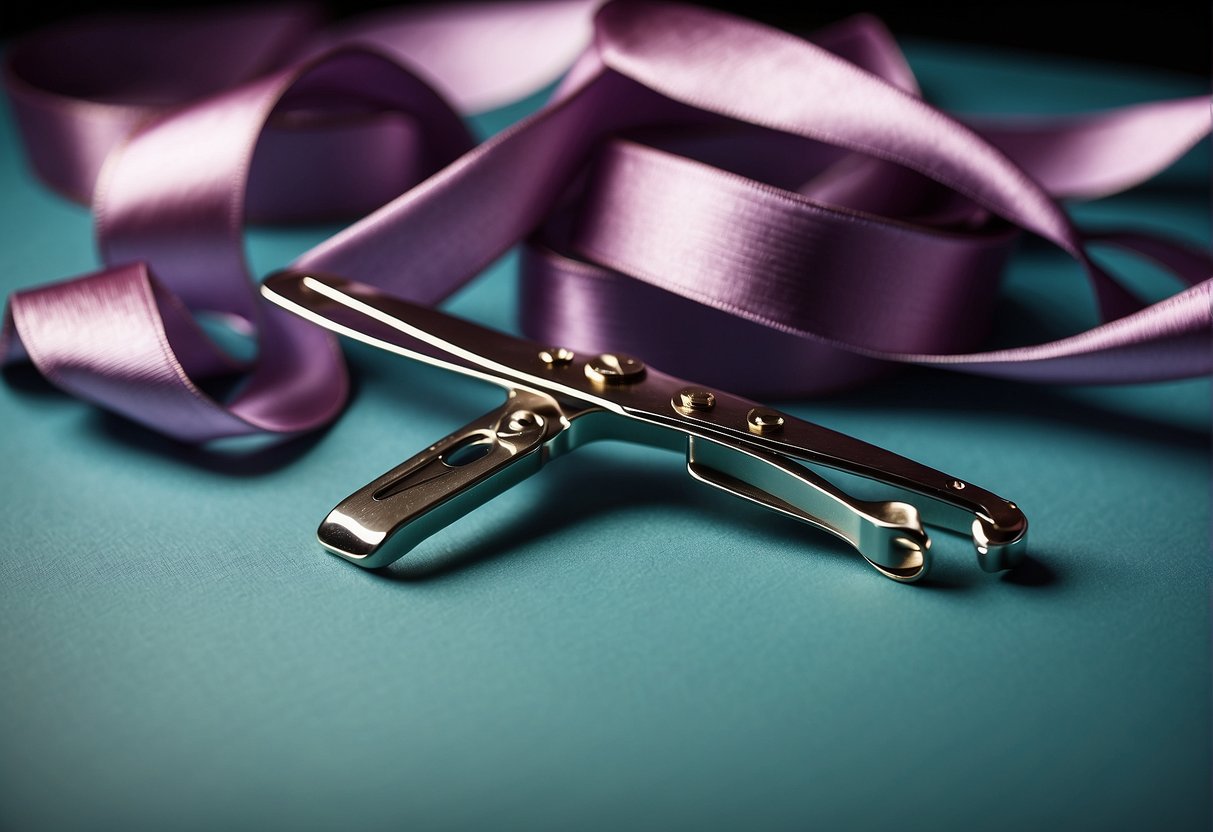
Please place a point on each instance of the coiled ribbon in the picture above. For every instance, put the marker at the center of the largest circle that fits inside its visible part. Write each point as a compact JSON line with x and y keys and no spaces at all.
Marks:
{"x":700,"y":190}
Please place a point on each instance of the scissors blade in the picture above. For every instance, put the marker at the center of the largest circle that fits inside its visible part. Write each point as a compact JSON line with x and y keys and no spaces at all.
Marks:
{"x":366,"y":314}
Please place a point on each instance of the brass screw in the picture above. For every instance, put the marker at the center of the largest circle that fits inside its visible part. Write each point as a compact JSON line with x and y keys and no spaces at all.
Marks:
{"x":694,"y":398}
{"x":614,"y":368}
{"x":764,"y":421}
{"x":556,"y":356}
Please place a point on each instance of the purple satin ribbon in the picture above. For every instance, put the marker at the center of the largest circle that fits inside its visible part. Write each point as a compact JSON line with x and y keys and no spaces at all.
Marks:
{"x":701,"y":191}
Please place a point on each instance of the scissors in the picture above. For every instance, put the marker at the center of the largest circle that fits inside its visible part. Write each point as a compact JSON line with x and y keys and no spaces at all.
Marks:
{"x":559,"y":400}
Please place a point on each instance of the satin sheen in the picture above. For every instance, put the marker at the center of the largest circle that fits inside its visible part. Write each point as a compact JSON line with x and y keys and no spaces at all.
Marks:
{"x":701,"y":190}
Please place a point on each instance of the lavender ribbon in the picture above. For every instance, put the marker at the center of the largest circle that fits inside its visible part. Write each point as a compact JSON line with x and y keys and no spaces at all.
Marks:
{"x":700,"y":190}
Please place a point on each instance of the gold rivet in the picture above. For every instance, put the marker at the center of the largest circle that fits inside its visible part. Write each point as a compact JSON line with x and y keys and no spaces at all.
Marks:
{"x":614,"y":368}
{"x":694,"y":398}
{"x":556,"y":356}
{"x":763,"y":421}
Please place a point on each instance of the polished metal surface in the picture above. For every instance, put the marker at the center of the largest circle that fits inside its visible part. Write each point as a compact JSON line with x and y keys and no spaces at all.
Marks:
{"x":764,"y":421}
{"x":613,"y":368}
{"x":556,"y":405}
{"x":384,"y":519}
{"x":693,"y":398}
{"x":556,"y":356}
{"x":889,"y":535}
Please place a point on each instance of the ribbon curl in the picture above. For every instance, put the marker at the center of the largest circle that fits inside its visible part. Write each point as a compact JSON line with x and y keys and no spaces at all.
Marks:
{"x":700,"y":190}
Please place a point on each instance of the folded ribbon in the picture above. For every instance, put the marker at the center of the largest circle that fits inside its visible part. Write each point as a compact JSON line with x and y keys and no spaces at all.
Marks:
{"x":700,"y":190}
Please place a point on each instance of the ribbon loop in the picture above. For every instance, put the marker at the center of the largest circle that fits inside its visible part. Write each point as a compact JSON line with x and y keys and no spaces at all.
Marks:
{"x":701,"y":190}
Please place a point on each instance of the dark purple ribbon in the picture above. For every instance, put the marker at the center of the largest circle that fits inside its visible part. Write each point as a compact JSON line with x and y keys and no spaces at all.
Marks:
{"x":701,"y":190}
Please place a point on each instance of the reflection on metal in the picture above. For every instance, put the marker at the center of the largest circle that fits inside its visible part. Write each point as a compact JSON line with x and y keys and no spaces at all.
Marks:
{"x":556,"y":356}
{"x":557,"y":403}
{"x":764,"y":421}
{"x":694,"y":398}
{"x":613,"y":368}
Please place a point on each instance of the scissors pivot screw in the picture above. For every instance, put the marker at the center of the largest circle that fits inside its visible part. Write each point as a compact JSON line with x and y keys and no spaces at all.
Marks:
{"x":694,"y":398}
{"x":557,"y":356}
{"x":614,"y":368}
{"x":763,"y":421}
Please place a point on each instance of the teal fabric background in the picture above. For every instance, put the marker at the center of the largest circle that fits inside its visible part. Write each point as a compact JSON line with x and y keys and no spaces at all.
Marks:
{"x":610,"y":645}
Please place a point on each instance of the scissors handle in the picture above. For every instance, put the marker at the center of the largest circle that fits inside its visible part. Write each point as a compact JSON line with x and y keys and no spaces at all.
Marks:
{"x":888,"y":534}
{"x":383,"y":520}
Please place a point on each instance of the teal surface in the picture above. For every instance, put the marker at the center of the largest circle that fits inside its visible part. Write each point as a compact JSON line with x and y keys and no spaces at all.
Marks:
{"x":611,"y":646}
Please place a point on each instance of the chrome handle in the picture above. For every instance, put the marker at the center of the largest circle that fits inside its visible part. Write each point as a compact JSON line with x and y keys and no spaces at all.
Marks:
{"x":889,"y":535}
{"x":647,"y":403}
{"x":386,"y":518}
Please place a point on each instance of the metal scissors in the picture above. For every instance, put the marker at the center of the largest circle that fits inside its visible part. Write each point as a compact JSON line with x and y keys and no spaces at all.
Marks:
{"x":558,"y":401}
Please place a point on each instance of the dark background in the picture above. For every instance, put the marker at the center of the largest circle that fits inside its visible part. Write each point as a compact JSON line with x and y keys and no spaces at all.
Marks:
{"x":1162,"y":33}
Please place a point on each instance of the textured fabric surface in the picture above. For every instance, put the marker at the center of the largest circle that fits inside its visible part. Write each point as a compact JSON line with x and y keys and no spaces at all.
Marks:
{"x":610,"y":645}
